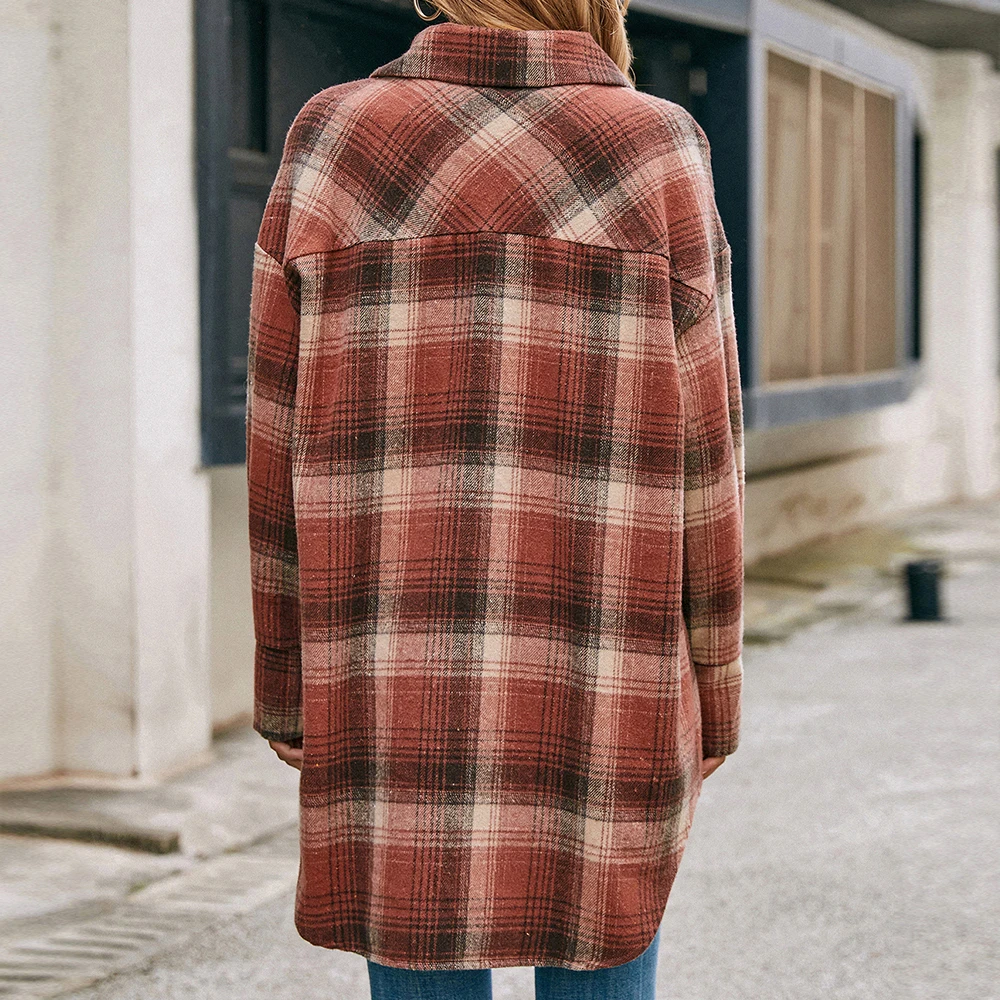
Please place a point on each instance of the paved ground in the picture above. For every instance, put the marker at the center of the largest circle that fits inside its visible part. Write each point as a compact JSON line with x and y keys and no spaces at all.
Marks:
{"x":848,"y":851}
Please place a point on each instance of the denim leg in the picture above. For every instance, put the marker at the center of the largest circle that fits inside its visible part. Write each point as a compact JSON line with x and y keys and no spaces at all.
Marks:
{"x":429,"y":984}
{"x":635,"y":980}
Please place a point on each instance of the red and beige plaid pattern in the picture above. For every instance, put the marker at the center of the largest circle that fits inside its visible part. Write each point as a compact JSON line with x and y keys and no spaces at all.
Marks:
{"x":495,"y":466}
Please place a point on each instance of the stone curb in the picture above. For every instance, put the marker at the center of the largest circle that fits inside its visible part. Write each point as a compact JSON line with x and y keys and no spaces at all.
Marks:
{"x":245,"y":794}
{"x":87,"y":830}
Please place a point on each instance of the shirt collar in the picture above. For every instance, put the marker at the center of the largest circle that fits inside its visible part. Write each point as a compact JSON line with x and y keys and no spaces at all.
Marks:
{"x":483,"y":56}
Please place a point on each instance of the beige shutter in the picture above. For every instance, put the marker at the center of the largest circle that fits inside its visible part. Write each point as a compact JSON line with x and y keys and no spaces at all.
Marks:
{"x":880,"y":218}
{"x":787,"y":274}
{"x":836,"y":228}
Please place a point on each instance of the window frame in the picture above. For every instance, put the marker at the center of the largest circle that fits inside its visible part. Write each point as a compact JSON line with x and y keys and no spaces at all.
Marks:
{"x":214,"y":86}
{"x":810,"y":41}
{"x":726,"y":15}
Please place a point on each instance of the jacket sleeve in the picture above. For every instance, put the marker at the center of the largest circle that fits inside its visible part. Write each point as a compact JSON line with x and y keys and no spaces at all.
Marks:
{"x":272,"y":369}
{"x":708,"y":367}
{"x":272,"y":373}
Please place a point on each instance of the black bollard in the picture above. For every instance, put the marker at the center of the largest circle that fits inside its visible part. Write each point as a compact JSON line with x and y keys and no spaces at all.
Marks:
{"x":922,"y":584}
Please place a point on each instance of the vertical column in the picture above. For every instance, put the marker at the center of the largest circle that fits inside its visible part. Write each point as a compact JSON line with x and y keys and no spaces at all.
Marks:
{"x":171,"y":493}
{"x":92,"y":527}
{"x":129,"y":546}
{"x":962,"y":348}
{"x":105,"y":540}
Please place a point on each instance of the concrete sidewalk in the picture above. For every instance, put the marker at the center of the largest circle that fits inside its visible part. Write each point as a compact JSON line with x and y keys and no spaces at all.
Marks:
{"x":845,"y":851}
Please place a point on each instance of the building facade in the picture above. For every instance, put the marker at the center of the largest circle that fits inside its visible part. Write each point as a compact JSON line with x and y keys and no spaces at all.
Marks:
{"x":855,"y":151}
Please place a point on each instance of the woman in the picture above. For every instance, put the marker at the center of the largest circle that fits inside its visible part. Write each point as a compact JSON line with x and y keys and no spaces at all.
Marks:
{"x":495,"y":468}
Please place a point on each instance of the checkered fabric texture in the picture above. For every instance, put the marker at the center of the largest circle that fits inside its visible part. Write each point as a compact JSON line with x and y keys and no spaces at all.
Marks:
{"x":495,"y":467}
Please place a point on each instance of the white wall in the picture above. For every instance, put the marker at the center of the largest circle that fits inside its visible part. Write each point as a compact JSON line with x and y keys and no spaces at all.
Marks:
{"x":962,"y":266}
{"x":107,"y":510}
{"x":92,"y":448}
{"x":26,"y":233}
{"x":172,"y":493}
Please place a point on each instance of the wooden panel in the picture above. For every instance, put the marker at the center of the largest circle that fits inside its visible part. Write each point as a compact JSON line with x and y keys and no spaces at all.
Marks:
{"x":813,"y":247}
{"x":836,"y":228}
{"x":785,"y":348}
{"x":861,"y":234}
{"x":880,"y":215}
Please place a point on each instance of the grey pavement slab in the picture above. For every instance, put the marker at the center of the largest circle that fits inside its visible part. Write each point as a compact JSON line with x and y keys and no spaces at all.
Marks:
{"x":847,"y":851}
{"x":849,"y":848}
{"x":163,"y":916}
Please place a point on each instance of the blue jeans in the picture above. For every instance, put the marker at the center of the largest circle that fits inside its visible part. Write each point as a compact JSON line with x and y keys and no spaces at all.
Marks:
{"x":635,"y":980}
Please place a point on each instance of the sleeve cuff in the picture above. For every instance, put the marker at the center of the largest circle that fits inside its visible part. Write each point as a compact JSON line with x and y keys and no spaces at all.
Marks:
{"x":277,"y":711}
{"x":720,"y":694}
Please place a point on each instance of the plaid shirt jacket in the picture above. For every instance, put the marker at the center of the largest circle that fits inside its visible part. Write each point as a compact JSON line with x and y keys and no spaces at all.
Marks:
{"x":495,"y":468}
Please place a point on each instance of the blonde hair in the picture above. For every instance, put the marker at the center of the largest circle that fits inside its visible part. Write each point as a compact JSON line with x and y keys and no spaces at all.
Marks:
{"x":604,"y":19}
